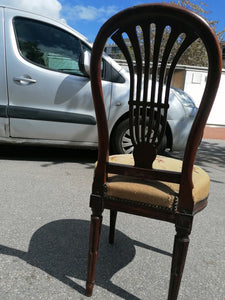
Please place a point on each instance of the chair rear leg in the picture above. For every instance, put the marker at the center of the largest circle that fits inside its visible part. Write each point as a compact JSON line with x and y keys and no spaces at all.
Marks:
{"x":113,"y":215}
{"x":178,"y":262}
{"x":95,"y":230}
{"x":181,"y":243}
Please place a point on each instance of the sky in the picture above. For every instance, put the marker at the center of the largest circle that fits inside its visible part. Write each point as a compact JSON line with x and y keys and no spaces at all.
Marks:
{"x":87,"y":16}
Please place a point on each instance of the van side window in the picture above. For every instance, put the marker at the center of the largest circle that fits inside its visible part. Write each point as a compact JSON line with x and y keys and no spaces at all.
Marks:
{"x":48,"y":46}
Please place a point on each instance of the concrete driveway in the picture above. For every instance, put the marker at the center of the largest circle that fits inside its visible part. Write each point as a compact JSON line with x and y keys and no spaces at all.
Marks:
{"x":44,"y":220}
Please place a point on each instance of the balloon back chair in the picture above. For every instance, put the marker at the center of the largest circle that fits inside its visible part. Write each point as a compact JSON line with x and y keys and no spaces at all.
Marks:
{"x":152,"y":38}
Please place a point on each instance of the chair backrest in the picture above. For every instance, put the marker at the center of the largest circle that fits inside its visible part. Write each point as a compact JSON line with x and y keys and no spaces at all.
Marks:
{"x":148,"y":36}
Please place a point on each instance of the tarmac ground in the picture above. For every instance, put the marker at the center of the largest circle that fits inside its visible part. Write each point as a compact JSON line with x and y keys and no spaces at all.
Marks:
{"x":44,"y":220}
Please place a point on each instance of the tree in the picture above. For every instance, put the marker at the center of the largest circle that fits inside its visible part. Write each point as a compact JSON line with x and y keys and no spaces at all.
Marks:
{"x":200,"y":8}
{"x":195,"y":55}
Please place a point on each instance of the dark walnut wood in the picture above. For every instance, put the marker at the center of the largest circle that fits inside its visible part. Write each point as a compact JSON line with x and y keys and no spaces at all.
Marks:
{"x":148,"y":35}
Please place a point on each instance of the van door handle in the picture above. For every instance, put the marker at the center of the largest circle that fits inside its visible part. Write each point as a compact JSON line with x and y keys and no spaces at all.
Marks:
{"x":24,"y":80}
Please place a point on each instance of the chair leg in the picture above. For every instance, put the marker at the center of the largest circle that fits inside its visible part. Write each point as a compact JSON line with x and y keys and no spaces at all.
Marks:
{"x":95,"y":230}
{"x":113,"y":215}
{"x":180,"y":249}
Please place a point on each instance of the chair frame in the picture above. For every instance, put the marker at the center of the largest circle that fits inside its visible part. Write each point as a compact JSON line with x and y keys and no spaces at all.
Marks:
{"x":195,"y":27}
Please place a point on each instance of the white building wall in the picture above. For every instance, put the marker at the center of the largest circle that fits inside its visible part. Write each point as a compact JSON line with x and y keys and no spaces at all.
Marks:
{"x":194,"y":85}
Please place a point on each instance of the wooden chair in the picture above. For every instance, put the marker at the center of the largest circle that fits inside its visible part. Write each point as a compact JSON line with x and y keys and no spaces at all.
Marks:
{"x":144,"y":183}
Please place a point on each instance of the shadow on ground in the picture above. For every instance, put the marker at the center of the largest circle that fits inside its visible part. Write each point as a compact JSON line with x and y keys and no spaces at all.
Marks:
{"x":50,"y":155}
{"x":209,"y":152}
{"x":60,"y":249}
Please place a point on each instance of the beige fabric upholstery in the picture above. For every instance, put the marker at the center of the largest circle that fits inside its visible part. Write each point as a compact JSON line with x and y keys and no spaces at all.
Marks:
{"x":154,"y":193}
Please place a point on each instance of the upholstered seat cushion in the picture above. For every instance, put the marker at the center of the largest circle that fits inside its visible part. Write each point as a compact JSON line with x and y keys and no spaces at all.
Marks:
{"x":154,"y":193}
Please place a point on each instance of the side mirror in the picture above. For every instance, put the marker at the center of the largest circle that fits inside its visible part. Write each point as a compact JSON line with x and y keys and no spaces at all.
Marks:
{"x":84,"y":62}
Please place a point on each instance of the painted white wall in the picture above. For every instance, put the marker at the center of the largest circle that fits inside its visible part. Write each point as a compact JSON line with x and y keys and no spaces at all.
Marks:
{"x":194,"y":85}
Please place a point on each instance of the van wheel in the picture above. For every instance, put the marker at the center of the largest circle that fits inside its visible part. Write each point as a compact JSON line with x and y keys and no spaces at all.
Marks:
{"x":121,"y":140}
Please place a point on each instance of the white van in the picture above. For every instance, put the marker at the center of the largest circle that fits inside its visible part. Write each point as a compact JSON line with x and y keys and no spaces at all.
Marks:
{"x":45,"y":94}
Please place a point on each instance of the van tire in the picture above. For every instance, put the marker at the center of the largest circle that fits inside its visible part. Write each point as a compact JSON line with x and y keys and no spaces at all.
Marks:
{"x":121,"y":141}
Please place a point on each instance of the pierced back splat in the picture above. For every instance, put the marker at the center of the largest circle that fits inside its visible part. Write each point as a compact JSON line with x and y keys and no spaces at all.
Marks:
{"x":151,"y":47}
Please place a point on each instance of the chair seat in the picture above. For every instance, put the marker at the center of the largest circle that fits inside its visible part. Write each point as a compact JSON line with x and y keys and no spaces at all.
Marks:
{"x":157,"y":194}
